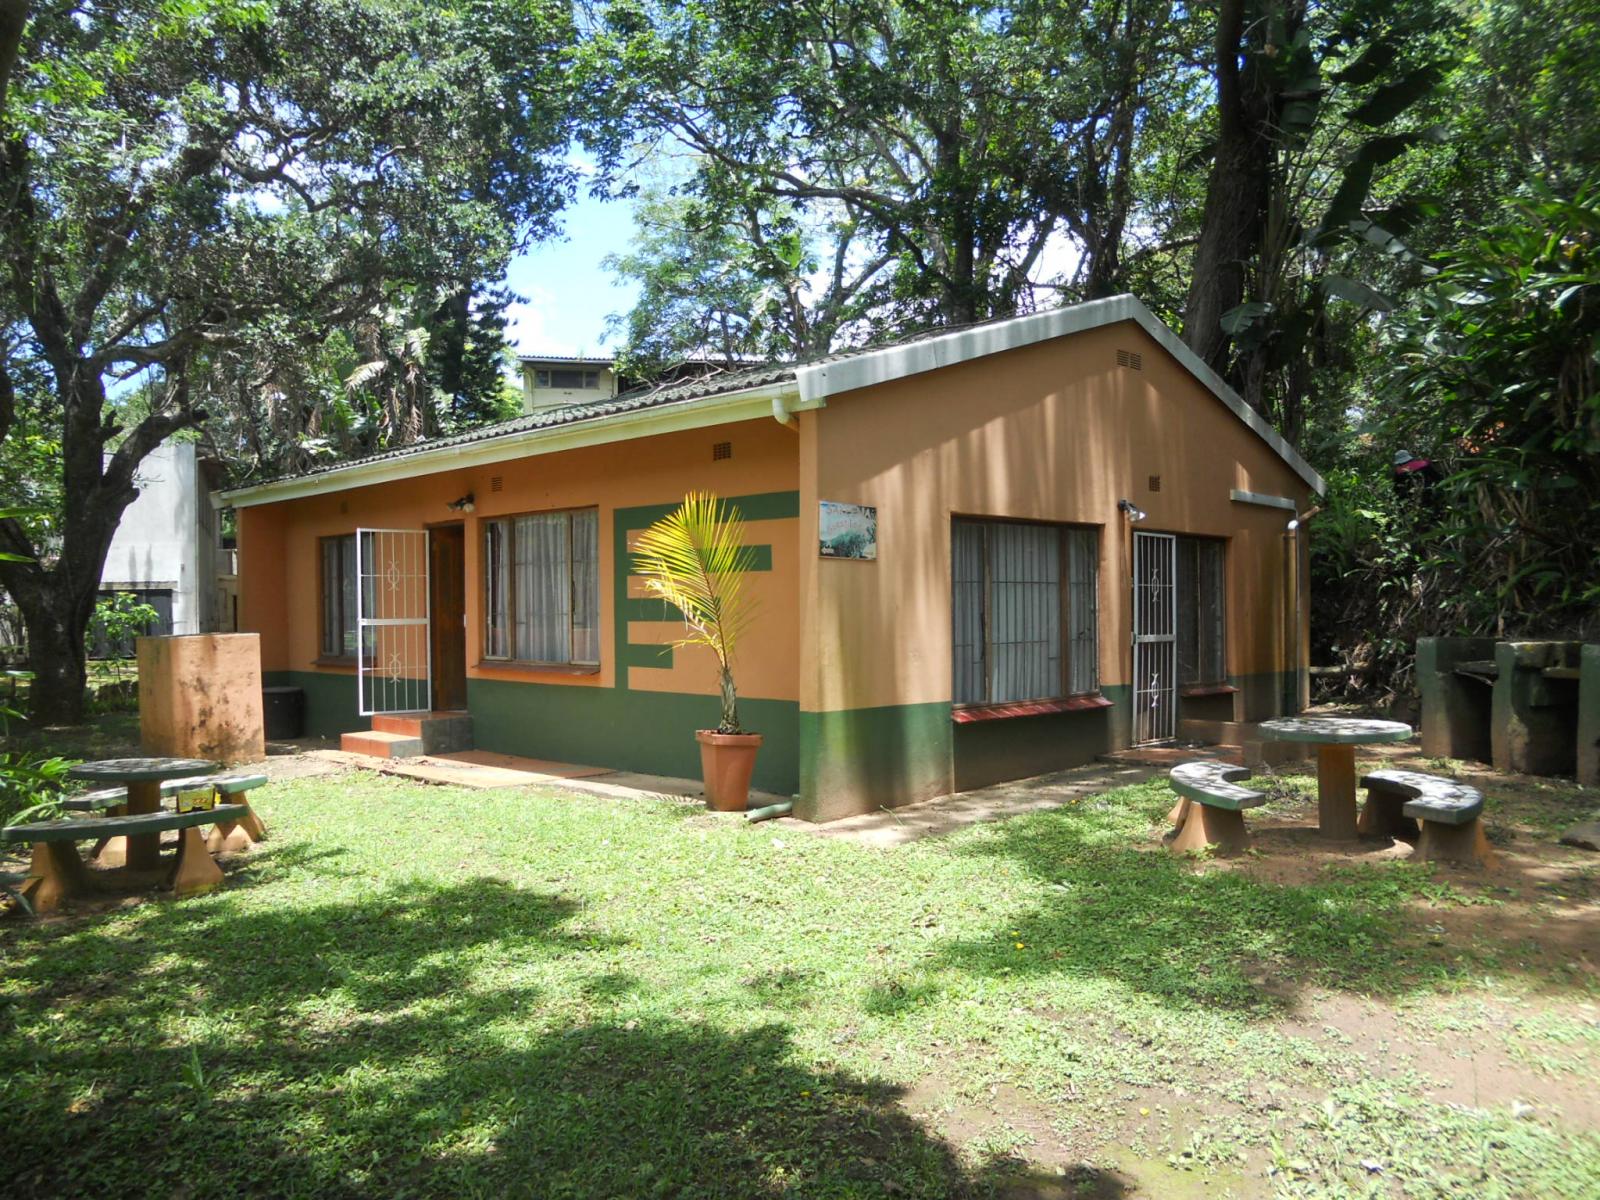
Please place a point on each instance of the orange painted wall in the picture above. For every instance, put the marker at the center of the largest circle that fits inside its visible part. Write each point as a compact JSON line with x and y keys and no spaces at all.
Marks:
{"x":1056,"y":431}
{"x":279,"y":566}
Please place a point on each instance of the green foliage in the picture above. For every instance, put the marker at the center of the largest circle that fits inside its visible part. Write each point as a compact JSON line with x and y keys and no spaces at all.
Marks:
{"x":117,"y":620}
{"x":30,"y":782}
{"x":1498,"y":379}
{"x":1493,"y":377}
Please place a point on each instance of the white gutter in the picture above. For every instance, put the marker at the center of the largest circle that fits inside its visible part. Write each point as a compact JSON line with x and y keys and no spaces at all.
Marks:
{"x":820,"y":380}
{"x":748,"y":404}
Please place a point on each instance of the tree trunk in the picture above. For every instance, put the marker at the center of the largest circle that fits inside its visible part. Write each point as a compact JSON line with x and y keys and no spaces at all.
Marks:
{"x":55,"y":655}
{"x":1239,"y":187}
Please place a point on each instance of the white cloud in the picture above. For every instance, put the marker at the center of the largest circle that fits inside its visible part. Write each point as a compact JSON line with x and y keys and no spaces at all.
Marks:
{"x":528,"y":322}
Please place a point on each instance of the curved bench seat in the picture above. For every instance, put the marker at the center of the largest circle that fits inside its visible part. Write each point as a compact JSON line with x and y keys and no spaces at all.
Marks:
{"x":1428,"y":797}
{"x":1208,"y":813}
{"x":1215,"y":784}
{"x":1447,"y":809}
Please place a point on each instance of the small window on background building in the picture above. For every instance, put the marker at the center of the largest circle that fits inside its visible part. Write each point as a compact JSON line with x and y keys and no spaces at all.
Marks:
{"x":542,"y":587}
{"x":338,"y":596}
{"x":1025,"y":612}
{"x":1202,"y":612}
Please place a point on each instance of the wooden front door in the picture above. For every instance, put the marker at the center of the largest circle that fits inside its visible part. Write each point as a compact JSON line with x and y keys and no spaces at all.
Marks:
{"x":447,"y":573}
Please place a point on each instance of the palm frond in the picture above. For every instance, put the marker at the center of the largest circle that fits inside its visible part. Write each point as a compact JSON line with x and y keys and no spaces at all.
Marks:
{"x":695,"y":559}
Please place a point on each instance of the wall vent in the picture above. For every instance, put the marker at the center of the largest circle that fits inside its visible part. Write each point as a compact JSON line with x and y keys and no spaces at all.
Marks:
{"x":496,"y":483}
{"x":721,"y":450}
{"x":1131,"y":359}
{"x":1155,"y":483}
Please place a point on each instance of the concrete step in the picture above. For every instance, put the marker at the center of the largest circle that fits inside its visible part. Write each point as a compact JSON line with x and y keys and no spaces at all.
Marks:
{"x":380,"y":744}
{"x":440,"y":732}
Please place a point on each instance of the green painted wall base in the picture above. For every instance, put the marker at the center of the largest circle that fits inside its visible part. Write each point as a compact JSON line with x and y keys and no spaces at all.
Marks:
{"x":863,"y":759}
{"x":1019,"y":747}
{"x":331,"y":707}
{"x":650,"y":732}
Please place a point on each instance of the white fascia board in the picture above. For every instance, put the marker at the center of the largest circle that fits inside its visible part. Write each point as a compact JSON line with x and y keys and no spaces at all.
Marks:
{"x":747,"y":405}
{"x":818,"y":381}
{"x":1240,"y":496}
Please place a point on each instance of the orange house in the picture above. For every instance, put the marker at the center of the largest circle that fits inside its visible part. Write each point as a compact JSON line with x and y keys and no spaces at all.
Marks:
{"x":981,"y":555}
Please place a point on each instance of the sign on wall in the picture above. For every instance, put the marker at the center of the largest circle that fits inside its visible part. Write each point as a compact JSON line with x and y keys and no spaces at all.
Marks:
{"x":848,"y":530}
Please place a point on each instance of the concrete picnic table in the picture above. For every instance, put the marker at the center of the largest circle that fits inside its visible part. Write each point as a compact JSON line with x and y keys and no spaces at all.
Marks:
{"x":1336,"y":739}
{"x":143,"y":778}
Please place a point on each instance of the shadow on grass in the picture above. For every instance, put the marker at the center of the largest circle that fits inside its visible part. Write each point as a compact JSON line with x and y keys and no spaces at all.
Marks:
{"x":1217,"y":938}
{"x":401,"y":1044}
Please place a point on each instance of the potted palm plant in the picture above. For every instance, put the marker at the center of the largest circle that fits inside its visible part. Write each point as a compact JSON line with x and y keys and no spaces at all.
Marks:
{"x":695,"y":559}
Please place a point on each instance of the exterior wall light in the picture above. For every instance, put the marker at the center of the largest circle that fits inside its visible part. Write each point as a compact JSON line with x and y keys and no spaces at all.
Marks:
{"x":464,"y":504}
{"x":1131,"y":510}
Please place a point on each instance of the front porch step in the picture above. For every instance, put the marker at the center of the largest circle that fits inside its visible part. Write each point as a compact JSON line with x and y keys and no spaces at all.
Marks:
{"x":441,"y":732}
{"x":378,"y":743}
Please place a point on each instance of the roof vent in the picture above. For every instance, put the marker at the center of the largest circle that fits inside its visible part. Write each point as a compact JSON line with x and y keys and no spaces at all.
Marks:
{"x":721,"y":450}
{"x":1131,"y":359}
{"x":496,"y":483}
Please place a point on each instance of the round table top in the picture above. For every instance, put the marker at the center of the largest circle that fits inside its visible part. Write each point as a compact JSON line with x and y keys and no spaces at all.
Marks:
{"x":1334,"y":731}
{"x":139,"y":770}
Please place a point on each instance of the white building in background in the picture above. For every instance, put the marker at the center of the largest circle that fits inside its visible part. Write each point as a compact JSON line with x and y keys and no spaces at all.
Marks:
{"x":166,"y":548}
{"x":554,"y":382}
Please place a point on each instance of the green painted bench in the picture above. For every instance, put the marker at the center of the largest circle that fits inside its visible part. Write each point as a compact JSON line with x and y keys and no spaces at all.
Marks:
{"x":58,"y":873}
{"x":1210,"y":808}
{"x":1448,"y":811}
{"x":232,"y":835}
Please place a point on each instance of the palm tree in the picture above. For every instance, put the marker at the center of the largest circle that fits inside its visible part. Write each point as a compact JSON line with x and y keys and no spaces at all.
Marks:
{"x":695,"y":559}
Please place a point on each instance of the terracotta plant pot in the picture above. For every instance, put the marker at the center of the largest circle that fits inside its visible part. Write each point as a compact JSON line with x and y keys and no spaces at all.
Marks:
{"x":726,"y":760}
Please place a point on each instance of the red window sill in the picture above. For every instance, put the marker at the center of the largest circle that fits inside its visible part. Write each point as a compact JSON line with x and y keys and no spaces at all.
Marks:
{"x":1026,"y":708}
{"x":506,"y":664}
{"x":348,"y":664}
{"x":1207,"y":689}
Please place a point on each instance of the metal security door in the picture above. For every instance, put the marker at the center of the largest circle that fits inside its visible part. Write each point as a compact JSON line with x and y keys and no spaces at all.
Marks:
{"x":393,"y":663}
{"x":1155,"y":642}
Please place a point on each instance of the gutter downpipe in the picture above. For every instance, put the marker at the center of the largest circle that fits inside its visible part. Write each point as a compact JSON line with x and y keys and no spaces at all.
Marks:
{"x":1292,"y":531}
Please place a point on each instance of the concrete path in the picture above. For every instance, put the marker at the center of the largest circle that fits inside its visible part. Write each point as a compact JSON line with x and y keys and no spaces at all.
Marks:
{"x":934,"y":818}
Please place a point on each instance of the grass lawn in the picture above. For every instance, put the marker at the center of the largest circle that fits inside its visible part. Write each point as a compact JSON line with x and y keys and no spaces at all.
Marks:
{"x":423,"y":991}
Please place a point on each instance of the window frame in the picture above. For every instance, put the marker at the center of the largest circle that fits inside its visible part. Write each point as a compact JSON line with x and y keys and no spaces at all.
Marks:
{"x":1190,"y":596}
{"x":342,"y":656}
{"x":508,"y":540}
{"x":545,"y":377}
{"x":1064,"y":693}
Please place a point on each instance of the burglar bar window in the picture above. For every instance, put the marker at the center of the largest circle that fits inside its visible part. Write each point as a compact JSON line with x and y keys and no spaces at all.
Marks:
{"x":1201,"y":612}
{"x":1024,"y":611}
{"x":542,"y":588}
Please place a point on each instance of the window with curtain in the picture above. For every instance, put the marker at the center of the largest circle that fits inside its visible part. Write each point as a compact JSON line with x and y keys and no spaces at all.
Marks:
{"x":542,"y":587}
{"x":338,"y":596}
{"x":1025,"y":611}
{"x":1202,"y":613}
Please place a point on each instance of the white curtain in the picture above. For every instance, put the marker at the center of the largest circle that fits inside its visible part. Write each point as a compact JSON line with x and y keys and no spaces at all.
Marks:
{"x":586,"y":586}
{"x":544,"y":588}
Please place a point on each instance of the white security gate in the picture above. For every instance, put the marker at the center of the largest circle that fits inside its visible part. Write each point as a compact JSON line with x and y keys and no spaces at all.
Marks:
{"x":394,"y":663}
{"x":1155,"y":645}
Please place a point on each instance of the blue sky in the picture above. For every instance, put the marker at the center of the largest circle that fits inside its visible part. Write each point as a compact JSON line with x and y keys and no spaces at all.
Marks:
{"x":566,"y":293}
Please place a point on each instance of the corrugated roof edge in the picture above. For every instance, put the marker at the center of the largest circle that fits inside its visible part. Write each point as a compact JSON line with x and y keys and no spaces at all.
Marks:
{"x":845,"y":371}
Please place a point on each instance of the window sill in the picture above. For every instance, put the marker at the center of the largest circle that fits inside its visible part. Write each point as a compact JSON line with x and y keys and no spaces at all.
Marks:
{"x":348,"y":664}
{"x":1206,"y":689}
{"x":970,"y":713}
{"x":525,"y":668}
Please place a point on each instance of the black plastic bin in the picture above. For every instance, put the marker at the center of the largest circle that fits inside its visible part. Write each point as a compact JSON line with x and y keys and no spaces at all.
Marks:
{"x":284,"y":712}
